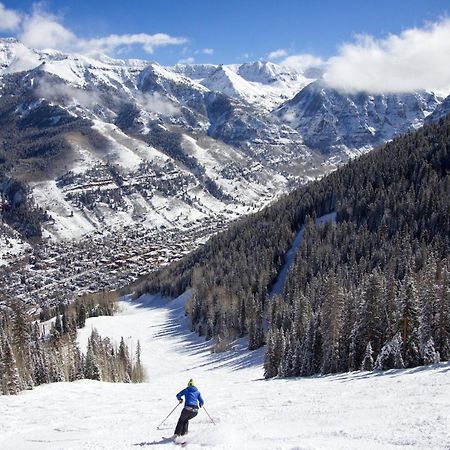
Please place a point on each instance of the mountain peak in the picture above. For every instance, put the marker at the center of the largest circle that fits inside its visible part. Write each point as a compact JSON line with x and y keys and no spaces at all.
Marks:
{"x":260,"y":71}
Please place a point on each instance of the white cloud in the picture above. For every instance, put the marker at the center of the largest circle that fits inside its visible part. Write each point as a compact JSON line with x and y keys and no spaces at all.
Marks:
{"x":418,"y":58}
{"x":155,"y":102}
{"x":189,"y":60}
{"x":24,"y":59}
{"x":9,"y":19}
{"x":41,"y":29}
{"x":203,"y":51}
{"x":277,"y":54}
{"x":302,"y":62}
{"x":149,"y":42}
{"x":289,"y":116}
{"x":67,"y":95}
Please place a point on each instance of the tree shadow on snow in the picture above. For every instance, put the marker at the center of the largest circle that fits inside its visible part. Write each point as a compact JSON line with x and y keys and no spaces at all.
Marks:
{"x":178,"y":326}
{"x":392,"y":373}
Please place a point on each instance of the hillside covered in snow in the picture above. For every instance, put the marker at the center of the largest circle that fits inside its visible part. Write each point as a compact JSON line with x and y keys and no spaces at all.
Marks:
{"x":397,"y":409}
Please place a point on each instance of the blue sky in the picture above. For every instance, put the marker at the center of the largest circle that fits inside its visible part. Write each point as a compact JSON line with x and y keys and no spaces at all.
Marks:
{"x":235,"y":30}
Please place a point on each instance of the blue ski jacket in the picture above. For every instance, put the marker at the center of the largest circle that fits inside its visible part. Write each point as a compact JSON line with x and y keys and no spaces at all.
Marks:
{"x":192,"y":397}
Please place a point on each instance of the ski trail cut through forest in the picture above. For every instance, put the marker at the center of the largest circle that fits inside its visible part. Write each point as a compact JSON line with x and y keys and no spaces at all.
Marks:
{"x":278,"y":287}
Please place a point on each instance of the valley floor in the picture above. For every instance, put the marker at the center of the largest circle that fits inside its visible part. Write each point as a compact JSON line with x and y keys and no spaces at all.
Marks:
{"x":392,"y":410}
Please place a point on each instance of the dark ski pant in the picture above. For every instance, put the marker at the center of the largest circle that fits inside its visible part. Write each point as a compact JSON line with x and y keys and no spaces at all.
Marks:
{"x":183,"y":422}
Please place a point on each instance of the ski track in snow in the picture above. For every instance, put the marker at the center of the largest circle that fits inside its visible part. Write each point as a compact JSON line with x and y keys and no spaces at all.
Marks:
{"x":277,"y":288}
{"x":397,"y":409}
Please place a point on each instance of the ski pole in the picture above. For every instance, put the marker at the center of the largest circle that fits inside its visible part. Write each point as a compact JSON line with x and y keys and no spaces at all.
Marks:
{"x":178,"y":404}
{"x":210,"y":418}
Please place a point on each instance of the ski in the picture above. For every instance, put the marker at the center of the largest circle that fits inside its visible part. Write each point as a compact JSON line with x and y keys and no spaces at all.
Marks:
{"x":171,"y":439}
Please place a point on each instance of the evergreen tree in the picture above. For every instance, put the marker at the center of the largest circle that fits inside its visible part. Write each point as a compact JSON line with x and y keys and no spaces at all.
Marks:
{"x":270,"y":359}
{"x":367,"y":363}
{"x":428,"y":305}
{"x":92,"y":368}
{"x":41,"y":364}
{"x":443,"y":316}
{"x":138,"y":370}
{"x":390,"y":356}
{"x":410,"y":322}
{"x":331,"y":325}
{"x":430,"y":355}
{"x":11,"y":383}
{"x":124,"y":361}
{"x":371,"y":326}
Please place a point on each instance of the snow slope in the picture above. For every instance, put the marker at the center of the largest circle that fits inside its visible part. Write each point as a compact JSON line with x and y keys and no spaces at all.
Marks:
{"x":11,"y":245}
{"x":398,"y":409}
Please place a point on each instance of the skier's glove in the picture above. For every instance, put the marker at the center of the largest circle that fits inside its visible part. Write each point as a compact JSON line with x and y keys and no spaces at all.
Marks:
{"x":180,"y":401}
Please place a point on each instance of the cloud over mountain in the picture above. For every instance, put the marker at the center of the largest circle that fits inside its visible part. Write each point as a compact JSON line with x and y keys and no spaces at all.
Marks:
{"x":417,"y":58}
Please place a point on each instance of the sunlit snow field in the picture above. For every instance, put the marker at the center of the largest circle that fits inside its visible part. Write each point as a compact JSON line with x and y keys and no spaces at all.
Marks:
{"x":392,"y":410}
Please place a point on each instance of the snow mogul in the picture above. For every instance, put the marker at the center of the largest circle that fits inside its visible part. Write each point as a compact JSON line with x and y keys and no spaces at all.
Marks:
{"x":192,"y":401}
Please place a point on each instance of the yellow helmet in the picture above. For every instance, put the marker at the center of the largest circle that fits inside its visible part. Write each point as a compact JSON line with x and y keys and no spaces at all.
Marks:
{"x":191,"y":383}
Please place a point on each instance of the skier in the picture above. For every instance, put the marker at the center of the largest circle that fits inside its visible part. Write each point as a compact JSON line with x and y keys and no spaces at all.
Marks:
{"x":193,"y":399}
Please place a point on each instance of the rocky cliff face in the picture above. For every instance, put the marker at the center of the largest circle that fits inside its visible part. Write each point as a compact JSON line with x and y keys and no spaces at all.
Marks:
{"x":338,"y":123}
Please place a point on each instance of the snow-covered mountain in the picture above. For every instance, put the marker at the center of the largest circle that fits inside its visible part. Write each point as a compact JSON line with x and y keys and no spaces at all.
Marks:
{"x":260,"y":83}
{"x":78,"y":70}
{"x":105,"y":143}
{"x":335,"y":122}
{"x":138,"y":141}
{"x":441,"y":110}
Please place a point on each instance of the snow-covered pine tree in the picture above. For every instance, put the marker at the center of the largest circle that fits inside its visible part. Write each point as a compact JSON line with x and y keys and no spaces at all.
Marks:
{"x":21,"y":346}
{"x":124,"y":362}
{"x":11,"y":383}
{"x":74,"y":364}
{"x":349,"y":332}
{"x":254,"y":325}
{"x":285,"y":368}
{"x":443,"y":316}
{"x":430,"y":355}
{"x":91,"y":366}
{"x":2,"y":364}
{"x":367,"y":363}
{"x":270,"y":366}
{"x":310,"y":344}
{"x":301,"y":314}
{"x":138,"y":370}
{"x":390,"y":356}
{"x":371,"y":315}
{"x":297,"y":359}
{"x":332,"y":304}
{"x":391,"y":306}
{"x":280,"y":348}
{"x":41,"y":373}
{"x":352,"y":348}
{"x":427,"y":295}
{"x":410,"y":322}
